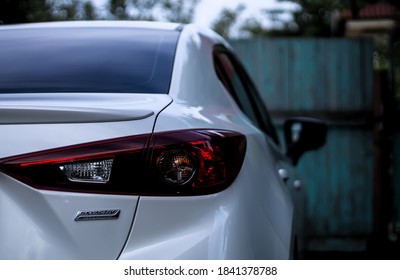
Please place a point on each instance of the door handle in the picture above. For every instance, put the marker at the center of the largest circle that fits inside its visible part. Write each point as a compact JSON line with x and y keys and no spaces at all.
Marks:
{"x":297,"y":184}
{"x":284,"y":174}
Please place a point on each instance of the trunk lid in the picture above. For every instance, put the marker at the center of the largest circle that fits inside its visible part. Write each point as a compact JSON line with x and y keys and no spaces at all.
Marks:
{"x":41,"y":224}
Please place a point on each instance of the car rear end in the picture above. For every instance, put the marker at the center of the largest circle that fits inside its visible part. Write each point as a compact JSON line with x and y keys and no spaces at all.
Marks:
{"x":119,"y":141}
{"x":76,"y":100}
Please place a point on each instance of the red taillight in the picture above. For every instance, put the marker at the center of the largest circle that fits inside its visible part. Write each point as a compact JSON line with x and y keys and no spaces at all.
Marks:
{"x":186,"y":162}
{"x":194,"y":161}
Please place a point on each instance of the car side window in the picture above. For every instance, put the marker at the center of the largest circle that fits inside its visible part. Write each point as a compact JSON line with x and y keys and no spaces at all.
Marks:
{"x":235,"y":79}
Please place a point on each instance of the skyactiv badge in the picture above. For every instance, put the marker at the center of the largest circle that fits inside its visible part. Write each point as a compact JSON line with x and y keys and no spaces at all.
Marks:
{"x":98,"y":215}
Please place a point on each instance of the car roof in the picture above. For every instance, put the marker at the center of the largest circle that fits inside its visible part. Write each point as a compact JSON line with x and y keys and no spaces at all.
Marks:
{"x":155,"y":25}
{"x":97,"y":23}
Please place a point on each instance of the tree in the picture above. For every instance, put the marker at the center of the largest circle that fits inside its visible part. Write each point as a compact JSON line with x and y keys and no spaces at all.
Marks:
{"x":118,"y":9}
{"x":179,"y":10}
{"x":21,"y":11}
{"x":68,"y":10}
{"x":226,"y":20}
{"x":143,"y":9}
{"x":315,"y":17}
{"x":24,"y":11}
{"x":167,"y":10}
{"x":89,"y":11}
{"x":73,"y":10}
{"x":254,"y":28}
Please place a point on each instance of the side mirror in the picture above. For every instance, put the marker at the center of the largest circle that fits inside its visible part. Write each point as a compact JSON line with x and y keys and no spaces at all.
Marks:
{"x":302,"y":135}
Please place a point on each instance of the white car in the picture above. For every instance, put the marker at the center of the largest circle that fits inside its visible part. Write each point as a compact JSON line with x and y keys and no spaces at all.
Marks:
{"x":136,"y":140}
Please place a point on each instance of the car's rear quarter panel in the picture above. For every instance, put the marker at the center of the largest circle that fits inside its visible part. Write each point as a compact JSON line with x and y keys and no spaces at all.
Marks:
{"x":252,"y":219}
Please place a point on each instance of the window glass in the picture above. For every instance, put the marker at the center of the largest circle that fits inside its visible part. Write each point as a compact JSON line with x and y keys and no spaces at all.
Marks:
{"x":119,"y":60}
{"x":238,"y":88}
{"x":238,"y":83}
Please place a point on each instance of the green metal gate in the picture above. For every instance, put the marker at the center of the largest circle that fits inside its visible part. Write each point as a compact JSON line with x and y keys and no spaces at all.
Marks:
{"x":330,"y":79}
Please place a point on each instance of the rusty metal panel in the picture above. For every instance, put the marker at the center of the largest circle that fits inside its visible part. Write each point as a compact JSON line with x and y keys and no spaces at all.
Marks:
{"x":331,"y":79}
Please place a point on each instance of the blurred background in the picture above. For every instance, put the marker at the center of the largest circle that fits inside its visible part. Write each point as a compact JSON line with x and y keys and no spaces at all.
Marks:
{"x":334,"y":60}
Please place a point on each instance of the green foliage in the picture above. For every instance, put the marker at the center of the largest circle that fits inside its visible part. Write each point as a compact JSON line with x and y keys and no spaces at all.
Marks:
{"x":20,"y":11}
{"x":314,"y":18}
{"x":68,"y":10}
{"x":167,"y":10}
{"x":179,"y":10}
{"x":73,"y":10}
{"x":89,"y":11}
{"x":118,"y":10}
{"x":226,"y":20}
{"x":24,"y":11}
{"x":142,"y":10}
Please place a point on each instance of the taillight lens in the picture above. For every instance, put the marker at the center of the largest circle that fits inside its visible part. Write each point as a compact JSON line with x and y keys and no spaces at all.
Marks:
{"x":95,"y":171}
{"x":194,"y":161}
{"x":187,"y":162}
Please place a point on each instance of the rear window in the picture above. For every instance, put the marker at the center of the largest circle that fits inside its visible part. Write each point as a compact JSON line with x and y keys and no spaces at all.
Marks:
{"x":121,"y":60}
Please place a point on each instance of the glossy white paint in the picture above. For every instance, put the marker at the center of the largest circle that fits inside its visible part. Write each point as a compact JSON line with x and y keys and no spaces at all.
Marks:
{"x":25,"y":138}
{"x":252,"y":219}
{"x":235,"y":224}
{"x":40,"y":224}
